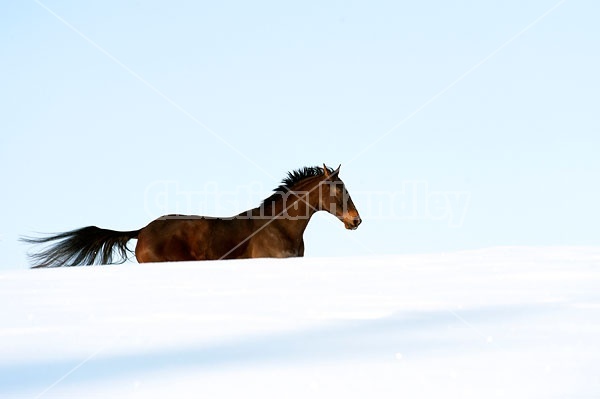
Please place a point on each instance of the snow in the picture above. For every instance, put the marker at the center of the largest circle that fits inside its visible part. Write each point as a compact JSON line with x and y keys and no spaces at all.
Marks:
{"x":494,"y":323}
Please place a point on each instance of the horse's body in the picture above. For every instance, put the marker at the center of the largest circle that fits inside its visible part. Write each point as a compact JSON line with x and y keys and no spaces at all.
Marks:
{"x":273,"y":229}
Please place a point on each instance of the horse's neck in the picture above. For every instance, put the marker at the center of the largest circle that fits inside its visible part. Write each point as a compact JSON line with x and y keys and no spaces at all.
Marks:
{"x":293,"y":213}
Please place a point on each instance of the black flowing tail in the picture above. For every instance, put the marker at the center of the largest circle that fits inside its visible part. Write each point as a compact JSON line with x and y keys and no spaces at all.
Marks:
{"x":87,"y":246}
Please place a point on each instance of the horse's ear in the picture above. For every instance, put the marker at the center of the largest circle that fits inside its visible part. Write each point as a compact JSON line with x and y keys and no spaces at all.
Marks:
{"x":325,"y":171}
{"x":337,"y":171}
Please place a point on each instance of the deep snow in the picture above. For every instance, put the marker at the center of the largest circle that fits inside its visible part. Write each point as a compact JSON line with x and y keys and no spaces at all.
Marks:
{"x":501,"y":322}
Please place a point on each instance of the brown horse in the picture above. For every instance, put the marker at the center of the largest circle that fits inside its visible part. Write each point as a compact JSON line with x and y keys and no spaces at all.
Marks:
{"x":274,"y":229}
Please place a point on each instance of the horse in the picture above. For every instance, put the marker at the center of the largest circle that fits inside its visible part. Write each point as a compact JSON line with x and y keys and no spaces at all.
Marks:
{"x":274,"y":229}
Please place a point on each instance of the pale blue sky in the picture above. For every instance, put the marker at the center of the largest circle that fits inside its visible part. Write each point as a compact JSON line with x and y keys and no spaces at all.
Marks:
{"x":94,"y":126}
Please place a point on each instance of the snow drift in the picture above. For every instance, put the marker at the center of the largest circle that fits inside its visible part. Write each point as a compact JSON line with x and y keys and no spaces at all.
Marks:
{"x":502,"y":322}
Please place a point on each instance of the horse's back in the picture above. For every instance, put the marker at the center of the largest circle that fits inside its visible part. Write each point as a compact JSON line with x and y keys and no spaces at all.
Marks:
{"x":180,"y":238}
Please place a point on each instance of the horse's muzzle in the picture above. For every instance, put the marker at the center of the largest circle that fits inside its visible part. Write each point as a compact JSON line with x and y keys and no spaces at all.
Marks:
{"x":353,"y":223}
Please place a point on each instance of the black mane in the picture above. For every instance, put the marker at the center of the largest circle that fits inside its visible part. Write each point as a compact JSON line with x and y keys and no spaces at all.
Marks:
{"x":294,"y":177}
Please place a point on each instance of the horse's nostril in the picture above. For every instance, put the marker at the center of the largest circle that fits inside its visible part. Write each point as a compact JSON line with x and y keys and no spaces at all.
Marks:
{"x":357,"y":221}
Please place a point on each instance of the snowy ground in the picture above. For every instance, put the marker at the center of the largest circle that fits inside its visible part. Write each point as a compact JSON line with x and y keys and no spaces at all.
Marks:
{"x":504,"y":322}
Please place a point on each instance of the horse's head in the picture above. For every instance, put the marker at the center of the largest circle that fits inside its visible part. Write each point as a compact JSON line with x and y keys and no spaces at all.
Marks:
{"x":334,"y":198}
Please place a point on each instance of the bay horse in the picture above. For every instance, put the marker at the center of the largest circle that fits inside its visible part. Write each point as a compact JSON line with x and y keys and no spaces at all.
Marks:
{"x":273,"y":229}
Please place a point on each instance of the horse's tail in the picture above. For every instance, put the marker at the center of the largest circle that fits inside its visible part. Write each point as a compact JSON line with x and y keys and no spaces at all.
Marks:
{"x":86,"y":246}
